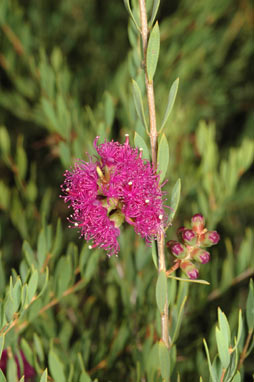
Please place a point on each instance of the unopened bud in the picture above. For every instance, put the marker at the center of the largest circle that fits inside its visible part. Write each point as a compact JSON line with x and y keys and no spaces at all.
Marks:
{"x":200,"y":255}
{"x":177,"y":249}
{"x":189,"y":237}
{"x":198,"y":223}
{"x":209,"y":238}
{"x":189,"y":269}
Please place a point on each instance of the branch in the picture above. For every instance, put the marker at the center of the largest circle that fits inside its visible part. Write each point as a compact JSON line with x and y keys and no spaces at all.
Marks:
{"x":153,"y":142}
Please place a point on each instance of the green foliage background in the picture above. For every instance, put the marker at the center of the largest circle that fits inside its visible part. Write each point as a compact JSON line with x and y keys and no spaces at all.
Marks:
{"x":65,"y":77}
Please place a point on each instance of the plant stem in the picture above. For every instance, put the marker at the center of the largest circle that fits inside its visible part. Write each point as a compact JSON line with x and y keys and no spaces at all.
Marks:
{"x":153,"y":142}
{"x":246,"y":345}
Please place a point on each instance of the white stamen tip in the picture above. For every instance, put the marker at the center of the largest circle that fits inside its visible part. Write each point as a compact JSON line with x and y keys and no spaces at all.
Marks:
{"x":76,"y":224}
{"x":90,"y":247}
{"x":130,"y":183}
{"x":160,"y":217}
{"x":126,"y":135}
{"x":140,"y":149}
{"x":147,"y":200}
{"x":67,"y":189}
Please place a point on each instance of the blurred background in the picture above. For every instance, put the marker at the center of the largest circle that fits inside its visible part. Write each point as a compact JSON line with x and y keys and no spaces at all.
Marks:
{"x":65,"y":77}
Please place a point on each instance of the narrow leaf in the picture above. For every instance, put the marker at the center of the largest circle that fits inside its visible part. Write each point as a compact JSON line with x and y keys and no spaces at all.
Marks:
{"x":164,"y":361}
{"x":237,"y":377}
{"x":163,"y":157}
{"x":224,"y":326}
{"x":127,"y":5}
{"x":2,"y":376}
{"x":1,"y":345}
{"x":139,"y":103}
{"x":44,"y":376}
{"x":139,"y":142}
{"x":212,"y":372}
{"x":179,"y":320}
{"x":161,"y":291}
{"x":156,"y":5}
{"x":153,"y":50}
{"x":171,"y":101}
{"x":32,"y":285}
{"x":56,"y":367}
{"x":154,"y":254}
{"x":174,"y":201}
{"x":204,"y":282}
{"x":250,"y":307}
{"x":222,"y":345}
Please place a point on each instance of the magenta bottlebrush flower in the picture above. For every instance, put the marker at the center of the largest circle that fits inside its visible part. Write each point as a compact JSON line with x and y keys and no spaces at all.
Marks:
{"x":28,"y":370}
{"x":118,"y":186}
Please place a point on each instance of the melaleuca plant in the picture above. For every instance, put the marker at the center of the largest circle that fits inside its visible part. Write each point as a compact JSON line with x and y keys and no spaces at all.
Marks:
{"x":124,"y":295}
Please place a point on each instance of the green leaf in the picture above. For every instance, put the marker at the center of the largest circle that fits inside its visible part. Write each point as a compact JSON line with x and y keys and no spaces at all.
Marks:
{"x":41,"y":248}
{"x":171,"y":101}
{"x":44,"y":376}
{"x":58,"y":239}
{"x":5,"y":143}
{"x":163,"y":157}
{"x":32,"y":285}
{"x":84,"y":377}
{"x":237,"y":377}
{"x":139,"y":142}
{"x":56,"y":367}
{"x":38,"y":347}
{"x":179,"y":320}
{"x":1,"y":345}
{"x":9,"y":308}
{"x":16,"y":294}
{"x":127,"y":5}
{"x":139,"y":104}
{"x":156,"y":4}
{"x":29,"y":253}
{"x":27,"y":351}
{"x":63,"y":275}
{"x":250,"y":306}
{"x":164,"y":360}
{"x":154,"y":254}
{"x":224,"y":326}
{"x":109,"y":109}
{"x":240,"y":327}
{"x":211,"y":370}
{"x":153,"y":50}
{"x":2,"y":376}
{"x":174,"y":201}
{"x":222,"y":345}
{"x":21,"y":160}
{"x":11,"y":370}
{"x":161,"y":291}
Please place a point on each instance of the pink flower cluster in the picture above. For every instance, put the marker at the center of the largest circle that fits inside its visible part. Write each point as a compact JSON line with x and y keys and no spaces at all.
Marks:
{"x":118,"y":186}
{"x":191,"y":249}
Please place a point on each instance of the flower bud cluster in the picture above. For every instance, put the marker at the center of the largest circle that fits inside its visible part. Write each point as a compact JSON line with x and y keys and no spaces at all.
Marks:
{"x":190,"y":249}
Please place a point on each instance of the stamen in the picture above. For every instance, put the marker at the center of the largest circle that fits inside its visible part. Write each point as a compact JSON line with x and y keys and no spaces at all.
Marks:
{"x":140,"y":152}
{"x":67,"y":189}
{"x":90,"y":247}
{"x":147,"y":201}
{"x":99,"y":172}
{"x":76,"y":224}
{"x":160,"y":217}
{"x":130,"y":183}
{"x":126,"y":139}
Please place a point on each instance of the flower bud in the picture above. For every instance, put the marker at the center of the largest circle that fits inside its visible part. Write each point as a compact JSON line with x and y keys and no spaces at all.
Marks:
{"x":209,"y":238}
{"x":189,"y":237}
{"x":198,"y":223}
{"x":189,"y":269}
{"x":177,"y":249}
{"x":200,"y":255}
